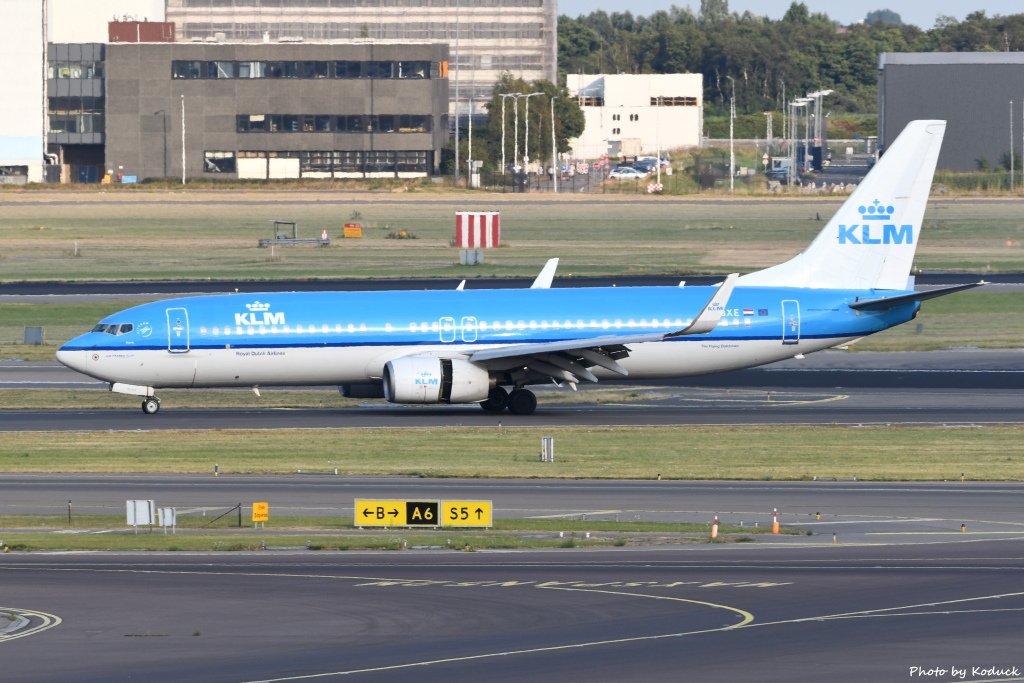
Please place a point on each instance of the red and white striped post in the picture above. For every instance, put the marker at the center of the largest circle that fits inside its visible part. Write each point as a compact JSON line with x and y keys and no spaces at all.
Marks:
{"x":775,"y":520}
{"x":477,"y":229}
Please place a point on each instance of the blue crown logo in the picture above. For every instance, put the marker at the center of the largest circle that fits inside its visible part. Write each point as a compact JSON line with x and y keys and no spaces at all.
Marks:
{"x":258,"y":307}
{"x":876,"y":211}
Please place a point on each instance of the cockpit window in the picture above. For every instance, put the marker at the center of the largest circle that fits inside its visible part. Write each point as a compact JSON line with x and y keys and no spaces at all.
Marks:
{"x":106,"y":328}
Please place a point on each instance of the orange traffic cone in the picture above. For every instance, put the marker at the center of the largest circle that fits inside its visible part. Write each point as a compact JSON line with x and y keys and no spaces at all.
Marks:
{"x":714,"y":528}
{"x":775,"y":520}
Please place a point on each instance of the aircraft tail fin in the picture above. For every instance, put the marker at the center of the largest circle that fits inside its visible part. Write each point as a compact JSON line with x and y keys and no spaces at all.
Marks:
{"x":870,"y":242}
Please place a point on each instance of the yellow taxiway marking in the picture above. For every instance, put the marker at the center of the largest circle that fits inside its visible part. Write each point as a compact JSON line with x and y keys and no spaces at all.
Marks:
{"x":748,"y":622}
{"x":48,"y":621}
{"x":896,"y":611}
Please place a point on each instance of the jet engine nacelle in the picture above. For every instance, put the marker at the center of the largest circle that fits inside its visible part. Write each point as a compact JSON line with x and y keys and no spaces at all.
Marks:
{"x":424,"y":379}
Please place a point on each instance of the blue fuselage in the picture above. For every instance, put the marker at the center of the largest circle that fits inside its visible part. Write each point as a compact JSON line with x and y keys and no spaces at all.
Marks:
{"x":244,"y":339}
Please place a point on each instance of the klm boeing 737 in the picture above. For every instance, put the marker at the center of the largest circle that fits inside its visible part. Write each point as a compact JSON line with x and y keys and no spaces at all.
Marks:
{"x":488,"y":346}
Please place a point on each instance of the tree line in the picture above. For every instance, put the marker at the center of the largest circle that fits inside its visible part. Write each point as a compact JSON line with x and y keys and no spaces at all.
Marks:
{"x":771,"y":61}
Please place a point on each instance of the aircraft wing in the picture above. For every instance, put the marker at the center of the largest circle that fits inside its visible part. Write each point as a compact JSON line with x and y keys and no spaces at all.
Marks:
{"x":569,"y":360}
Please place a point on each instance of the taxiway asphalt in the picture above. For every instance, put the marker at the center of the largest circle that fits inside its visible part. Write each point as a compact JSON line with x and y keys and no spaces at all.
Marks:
{"x":950,"y":387}
{"x":701,"y":612}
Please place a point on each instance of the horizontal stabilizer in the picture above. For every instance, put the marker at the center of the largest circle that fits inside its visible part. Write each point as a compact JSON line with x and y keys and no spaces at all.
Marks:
{"x":890,"y":301}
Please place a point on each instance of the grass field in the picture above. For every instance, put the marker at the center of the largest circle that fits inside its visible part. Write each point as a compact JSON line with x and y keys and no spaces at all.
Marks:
{"x":395,"y":540}
{"x":204,"y":533}
{"x":153,"y":235}
{"x":699,"y":452}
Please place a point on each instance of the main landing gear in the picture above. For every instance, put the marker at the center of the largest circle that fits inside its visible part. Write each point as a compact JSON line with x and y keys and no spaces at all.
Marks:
{"x":519,"y":402}
{"x":150,"y":405}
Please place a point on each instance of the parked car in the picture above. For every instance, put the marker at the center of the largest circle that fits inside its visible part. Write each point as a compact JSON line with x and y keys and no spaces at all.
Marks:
{"x":646,"y":165}
{"x":627,"y":173}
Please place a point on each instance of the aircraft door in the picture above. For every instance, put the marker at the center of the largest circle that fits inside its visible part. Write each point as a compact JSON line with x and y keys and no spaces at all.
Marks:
{"x":447,"y":329}
{"x":790,"y":321}
{"x":469,"y":328}
{"x":177,"y":330}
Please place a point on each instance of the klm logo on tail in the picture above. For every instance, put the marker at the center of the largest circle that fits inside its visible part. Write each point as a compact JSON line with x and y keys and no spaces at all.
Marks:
{"x":875,"y":229}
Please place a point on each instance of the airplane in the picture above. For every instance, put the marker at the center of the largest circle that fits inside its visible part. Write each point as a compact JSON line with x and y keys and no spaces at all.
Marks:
{"x":487,"y":347}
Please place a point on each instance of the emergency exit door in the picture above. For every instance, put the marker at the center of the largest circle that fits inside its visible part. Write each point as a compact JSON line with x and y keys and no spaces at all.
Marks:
{"x":790,"y":321}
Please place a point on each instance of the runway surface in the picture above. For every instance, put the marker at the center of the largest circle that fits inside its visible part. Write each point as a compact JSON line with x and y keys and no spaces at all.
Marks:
{"x":702,"y":613}
{"x":956,"y":387}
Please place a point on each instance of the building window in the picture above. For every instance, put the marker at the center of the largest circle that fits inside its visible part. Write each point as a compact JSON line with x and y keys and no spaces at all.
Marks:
{"x":220,"y":69}
{"x":413,"y":69}
{"x":591,"y":101}
{"x":74,"y":70}
{"x":616,"y":117}
{"x":250,"y":69}
{"x":219,"y":162}
{"x":347,"y":69}
{"x":327,"y":123}
{"x":348,"y":162}
{"x":196,"y":69}
{"x":380,"y":161}
{"x":663,"y":101}
{"x":412,"y":162}
{"x":316,"y":162}
{"x":616,"y":131}
{"x":76,"y":114}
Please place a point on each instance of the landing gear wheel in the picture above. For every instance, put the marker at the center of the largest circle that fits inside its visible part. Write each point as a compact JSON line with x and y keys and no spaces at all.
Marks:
{"x":151,"y":405}
{"x":522,"y":402}
{"x":496,"y":401}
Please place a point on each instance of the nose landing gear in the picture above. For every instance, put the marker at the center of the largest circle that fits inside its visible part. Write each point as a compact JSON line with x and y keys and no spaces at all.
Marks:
{"x":150,"y":405}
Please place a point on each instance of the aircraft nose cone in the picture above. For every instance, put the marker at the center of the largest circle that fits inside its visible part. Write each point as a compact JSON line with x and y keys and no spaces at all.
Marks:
{"x":71,"y":359}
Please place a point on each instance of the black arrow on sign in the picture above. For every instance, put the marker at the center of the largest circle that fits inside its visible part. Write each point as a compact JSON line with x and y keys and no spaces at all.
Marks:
{"x":394,"y":513}
{"x":479,"y":513}
{"x":366,"y":512}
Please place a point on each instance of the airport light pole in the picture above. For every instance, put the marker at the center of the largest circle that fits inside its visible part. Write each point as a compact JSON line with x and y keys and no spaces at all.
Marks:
{"x":183,"y":139}
{"x":794,"y":128}
{"x":515,"y":132}
{"x":457,"y":13}
{"x":503,"y":96}
{"x":554,"y":149}
{"x":819,"y":120}
{"x":469,"y":161}
{"x":526,"y":142}
{"x":732,"y":151}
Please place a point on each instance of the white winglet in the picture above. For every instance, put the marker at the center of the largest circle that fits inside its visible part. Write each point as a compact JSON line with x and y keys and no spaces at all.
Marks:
{"x":712,"y":313}
{"x":546,"y":275}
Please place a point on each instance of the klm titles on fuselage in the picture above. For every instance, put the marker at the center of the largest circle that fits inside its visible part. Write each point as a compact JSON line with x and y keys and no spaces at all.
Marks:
{"x":875,"y":229}
{"x":259,"y":314}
